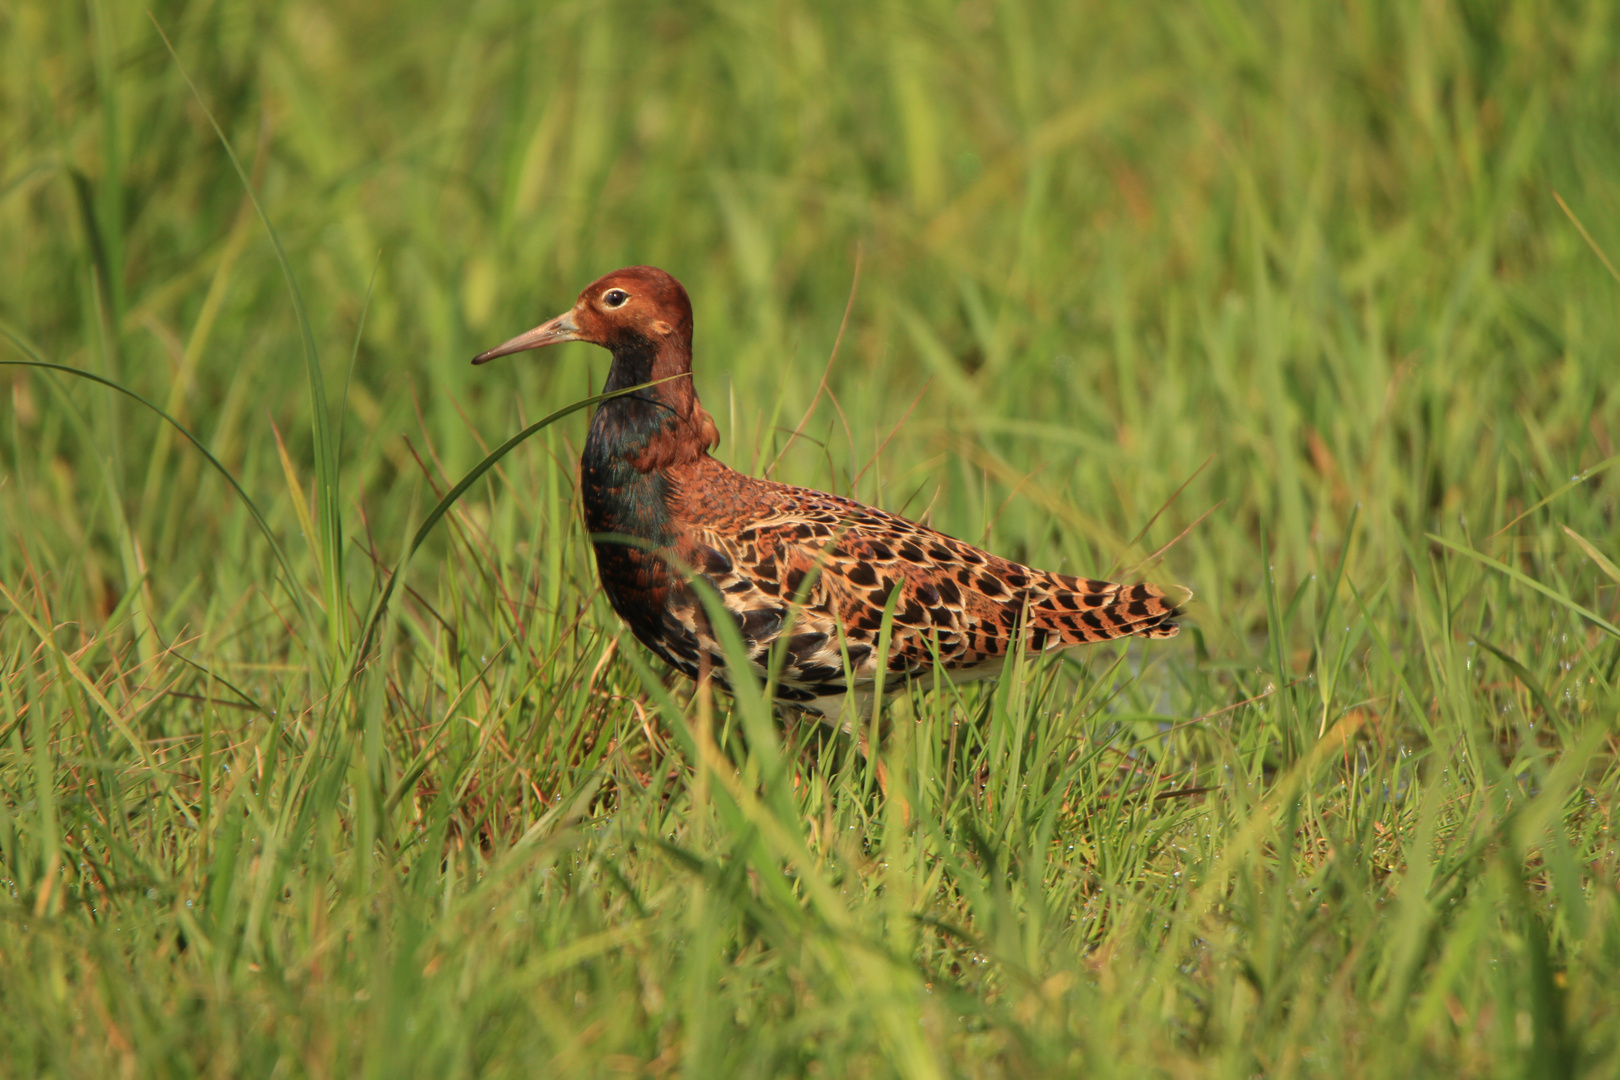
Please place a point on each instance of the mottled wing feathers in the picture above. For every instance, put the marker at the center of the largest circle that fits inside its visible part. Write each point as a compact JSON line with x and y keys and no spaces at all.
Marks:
{"x":820,"y":570}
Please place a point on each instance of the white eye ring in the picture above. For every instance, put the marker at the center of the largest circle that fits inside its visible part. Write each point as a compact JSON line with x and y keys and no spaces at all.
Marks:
{"x":615,"y":298}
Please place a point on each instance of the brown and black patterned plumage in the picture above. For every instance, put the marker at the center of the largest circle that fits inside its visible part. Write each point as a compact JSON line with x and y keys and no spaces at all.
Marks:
{"x":801,"y":570}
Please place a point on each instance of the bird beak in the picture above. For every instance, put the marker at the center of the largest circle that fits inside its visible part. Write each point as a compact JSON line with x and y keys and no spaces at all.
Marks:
{"x":562,"y":328}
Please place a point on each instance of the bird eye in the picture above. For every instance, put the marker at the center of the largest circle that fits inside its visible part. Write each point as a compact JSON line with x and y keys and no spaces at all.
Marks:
{"x":615,"y":297}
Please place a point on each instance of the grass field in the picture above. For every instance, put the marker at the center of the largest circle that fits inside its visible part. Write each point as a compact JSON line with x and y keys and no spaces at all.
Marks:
{"x":1323,"y":293}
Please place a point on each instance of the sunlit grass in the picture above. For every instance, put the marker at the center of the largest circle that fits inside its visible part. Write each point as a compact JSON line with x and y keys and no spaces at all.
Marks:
{"x":1294,"y":281}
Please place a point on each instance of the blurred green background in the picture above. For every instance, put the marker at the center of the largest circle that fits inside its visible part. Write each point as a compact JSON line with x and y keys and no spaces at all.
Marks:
{"x":1305,"y":264}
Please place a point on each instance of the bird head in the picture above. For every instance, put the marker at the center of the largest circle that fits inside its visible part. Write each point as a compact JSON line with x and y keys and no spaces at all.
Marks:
{"x":630,"y":309}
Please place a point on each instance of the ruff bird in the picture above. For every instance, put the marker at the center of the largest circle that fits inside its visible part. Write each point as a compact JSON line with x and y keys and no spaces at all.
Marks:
{"x":788,"y":561}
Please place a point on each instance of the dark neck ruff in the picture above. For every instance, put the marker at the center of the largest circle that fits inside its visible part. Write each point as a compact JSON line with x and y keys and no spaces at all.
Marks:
{"x":621,"y":495}
{"x":624,"y":475}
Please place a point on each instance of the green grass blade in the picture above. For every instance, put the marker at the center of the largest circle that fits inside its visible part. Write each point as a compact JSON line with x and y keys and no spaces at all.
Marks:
{"x":289,"y":581}
{"x":328,"y":518}
{"x":473,"y":475}
{"x":1531,"y":583}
